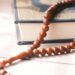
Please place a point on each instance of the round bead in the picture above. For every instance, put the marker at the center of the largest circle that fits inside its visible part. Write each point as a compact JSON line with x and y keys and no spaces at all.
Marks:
{"x":42,"y":34}
{"x":47,"y":15}
{"x":55,"y":50}
{"x":62,"y":50}
{"x":49,"y":51}
{"x":35,"y":45}
{"x":68,"y":48}
{"x":36,"y":52}
{"x":40,"y":39}
{"x":45,"y":28}
{"x":72,"y":45}
{"x":65,"y":49}
{"x":46,"y":21}
{"x":42,"y":51}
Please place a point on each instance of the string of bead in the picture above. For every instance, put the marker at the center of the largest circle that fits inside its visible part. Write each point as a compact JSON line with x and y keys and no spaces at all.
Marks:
{"x":54,"y":50}
{"x":34,"y":50}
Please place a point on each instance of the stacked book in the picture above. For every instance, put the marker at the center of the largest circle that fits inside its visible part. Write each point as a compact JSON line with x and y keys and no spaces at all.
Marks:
{"x":30,"y":16}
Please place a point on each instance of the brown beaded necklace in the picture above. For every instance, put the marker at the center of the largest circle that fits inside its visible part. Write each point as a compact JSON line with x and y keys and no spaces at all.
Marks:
{"x":50,"y":13}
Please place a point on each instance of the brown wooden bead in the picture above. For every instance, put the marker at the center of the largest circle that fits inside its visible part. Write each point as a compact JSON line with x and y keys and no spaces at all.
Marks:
{"x":65,"y":49}
{"x":47,"y":15}
{"x":53,"y":8}
{"x":68,"y":48}
{"x":42,"y":34}
{"x":57,"y":50}
{"x":37,"y":42}
{"x":45,"y":28}
{"x":42,"y":51}
{"x":48,"y":51}
{"x":51,"y":50}
{"x":36,"y":53}
{"x":40,"y":39}
{"x":61,"y":50}
{"x":46,"y":21}
{"x":72,"y":45}
{"x":35,"y":45}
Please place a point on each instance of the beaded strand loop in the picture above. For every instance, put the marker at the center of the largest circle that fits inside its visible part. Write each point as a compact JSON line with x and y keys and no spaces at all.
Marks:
{"x":34,"y":50}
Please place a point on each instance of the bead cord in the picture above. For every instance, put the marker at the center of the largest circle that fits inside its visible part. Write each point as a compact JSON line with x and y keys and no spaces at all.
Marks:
{"x":34,"y":50}
{"x":54,"y":50}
